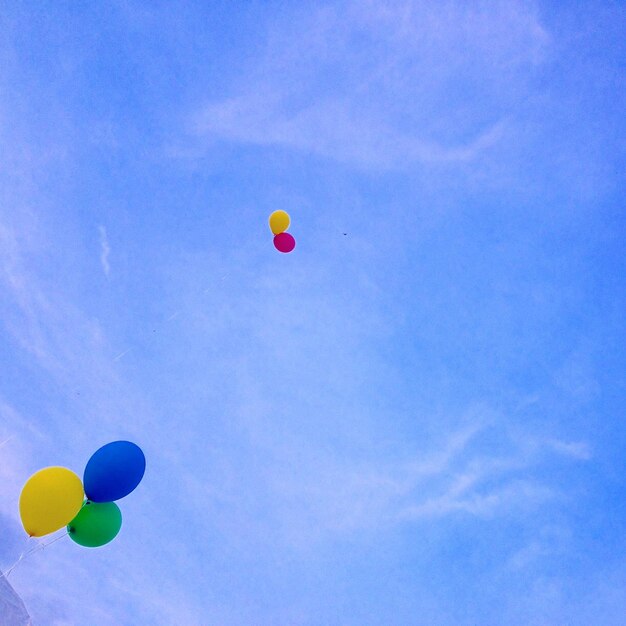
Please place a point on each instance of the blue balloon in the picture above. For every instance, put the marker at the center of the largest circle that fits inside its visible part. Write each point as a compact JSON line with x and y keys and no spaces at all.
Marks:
{"x":114,"y":471}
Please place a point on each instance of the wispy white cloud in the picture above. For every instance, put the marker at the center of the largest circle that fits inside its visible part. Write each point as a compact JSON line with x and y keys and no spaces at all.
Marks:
{"x":384,"y":84}
{"x":335,"y":131}
{"x":548,"y":542}
{"x":330,"y":496}
{"x":579,"y":450}
{"x":105,"y":250}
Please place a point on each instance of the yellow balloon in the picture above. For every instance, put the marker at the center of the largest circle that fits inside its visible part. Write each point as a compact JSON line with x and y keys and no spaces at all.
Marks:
{"x":50,"y":499}
{"x":279,"y":222}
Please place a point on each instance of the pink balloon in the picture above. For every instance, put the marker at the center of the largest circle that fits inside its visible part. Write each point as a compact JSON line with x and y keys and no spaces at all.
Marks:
{"x":284,"y":242}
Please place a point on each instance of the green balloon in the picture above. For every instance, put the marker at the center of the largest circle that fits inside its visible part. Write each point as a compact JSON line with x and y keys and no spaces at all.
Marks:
{"x":96,"y":524}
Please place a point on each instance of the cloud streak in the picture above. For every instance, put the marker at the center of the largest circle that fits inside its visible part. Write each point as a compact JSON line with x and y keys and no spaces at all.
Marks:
{"x":376,"y":84}
{"x":105,"y":251}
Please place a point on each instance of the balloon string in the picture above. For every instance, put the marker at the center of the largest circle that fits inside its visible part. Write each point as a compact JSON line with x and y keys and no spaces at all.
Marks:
{"x":25,"y":554}
{"x":22,"y":555}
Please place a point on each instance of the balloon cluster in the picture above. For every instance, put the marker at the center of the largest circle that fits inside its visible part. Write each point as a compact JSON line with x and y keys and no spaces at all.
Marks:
{"x":55,"y":496}
{"x":279,"y":223}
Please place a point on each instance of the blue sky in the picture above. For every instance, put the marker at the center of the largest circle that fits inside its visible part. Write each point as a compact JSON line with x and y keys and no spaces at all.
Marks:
{"x":419,"y":422}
